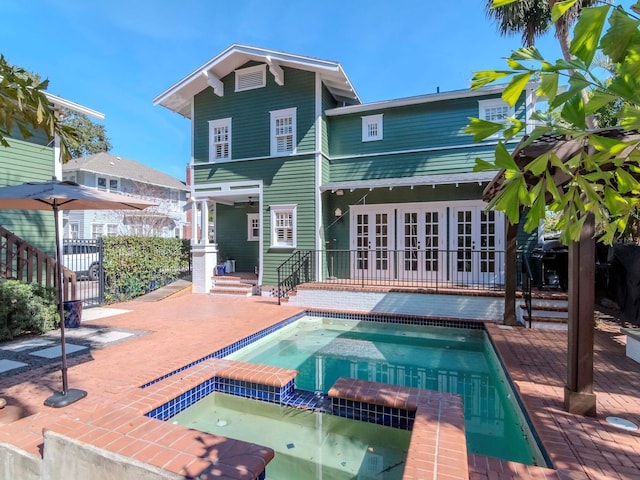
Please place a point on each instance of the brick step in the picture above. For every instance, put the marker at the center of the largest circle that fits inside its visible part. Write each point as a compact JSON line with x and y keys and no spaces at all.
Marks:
{"x":230,"y":285}
{"x":241,"y":292}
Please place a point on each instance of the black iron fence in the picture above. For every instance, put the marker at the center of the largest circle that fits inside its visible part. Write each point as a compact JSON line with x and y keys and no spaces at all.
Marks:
{"x":428,"y":268}
{"x":85,"y":258}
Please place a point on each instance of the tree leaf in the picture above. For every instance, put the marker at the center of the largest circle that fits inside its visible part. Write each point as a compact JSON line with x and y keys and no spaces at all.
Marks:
{"x":573,"y":112}
{"x":514,"y":89}
{"x":501,"y":3}
{"x":504,"y":158}
{"x":548,"y":86}
{"x":527,"y":53}
{"x":560,"y":8}
{"x":627,"y":182}
{"x":587,"y":32}
{"x":597,"y":100}
{"x":536,"y":213}
{"x":482,"y":165}
{"x":620,"y":34}
{"x":507,"y":200}
{"x":539,"y":164}
{"x":481,"y":129}
{"x":615,"y":202}
{"x":485,"y":77}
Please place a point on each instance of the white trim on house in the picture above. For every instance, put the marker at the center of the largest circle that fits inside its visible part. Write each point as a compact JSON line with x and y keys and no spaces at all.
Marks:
{"x":283,"y":132}
{"x":290,"y":240}
{"x":61,"y":102}
{"x":372,"y":128}
{"x":319,"y":231}
{"x":433,"y":180}
{"x":419,"y":99}
{"x":220,"y":140}
{"x":495,"y":110}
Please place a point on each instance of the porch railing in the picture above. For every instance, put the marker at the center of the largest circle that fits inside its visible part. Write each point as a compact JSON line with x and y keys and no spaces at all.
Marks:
{"x":298,"y":268}
{"x":19,"y":260}
{"x":433,"y":269}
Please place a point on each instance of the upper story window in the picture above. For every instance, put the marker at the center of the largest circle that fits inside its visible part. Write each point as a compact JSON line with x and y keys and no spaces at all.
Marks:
{"x":110,"y":184}
{"x":283,"y":226}
{"x":283,"y":132}
{"x":220,"y":140}
{"x":372,"y":128}
{"x":495,"y":110}
{"x":251,"y":77}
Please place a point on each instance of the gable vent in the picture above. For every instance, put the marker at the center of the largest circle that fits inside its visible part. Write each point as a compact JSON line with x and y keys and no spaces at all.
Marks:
{"x":250,"y":78}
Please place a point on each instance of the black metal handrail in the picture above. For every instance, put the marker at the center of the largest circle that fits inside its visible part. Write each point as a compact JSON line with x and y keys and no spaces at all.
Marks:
{"x":297,"y":269}
{"x":417,"y":268}
{"x":527,"y":280}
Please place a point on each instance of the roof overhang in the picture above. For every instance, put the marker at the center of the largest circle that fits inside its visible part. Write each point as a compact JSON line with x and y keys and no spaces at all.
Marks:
{"x":178,"y":97}
{"x":420,"y":99}
{"x":60,"y":102}
{"x":422,"y":180}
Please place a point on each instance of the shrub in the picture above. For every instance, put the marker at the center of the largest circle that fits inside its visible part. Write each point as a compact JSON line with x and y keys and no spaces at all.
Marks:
{"x":26,"y":308}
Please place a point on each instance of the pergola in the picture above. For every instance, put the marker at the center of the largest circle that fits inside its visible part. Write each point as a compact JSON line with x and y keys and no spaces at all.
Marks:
{"x":579,"y":396}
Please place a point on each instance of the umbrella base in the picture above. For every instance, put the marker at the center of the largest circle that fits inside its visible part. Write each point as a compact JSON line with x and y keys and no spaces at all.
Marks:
{"x":62,"y":399}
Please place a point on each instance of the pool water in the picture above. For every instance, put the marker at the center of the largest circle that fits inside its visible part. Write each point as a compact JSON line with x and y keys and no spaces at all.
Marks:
{"x":453,"y":360}
{"x":307,"y":444}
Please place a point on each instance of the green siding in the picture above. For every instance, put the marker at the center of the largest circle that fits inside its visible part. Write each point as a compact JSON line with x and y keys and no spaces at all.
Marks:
{"x":249,"y":111}
{"x":232,"y":237}
{"x":287,"y":181}
{"x":25,"y":161}
{"x":458,"y":160}
{"x":327,"y":102}
{"x":422,"y":126}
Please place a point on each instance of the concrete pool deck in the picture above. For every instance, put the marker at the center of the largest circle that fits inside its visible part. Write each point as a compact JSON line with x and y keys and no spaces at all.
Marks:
{"x":185,"y":327}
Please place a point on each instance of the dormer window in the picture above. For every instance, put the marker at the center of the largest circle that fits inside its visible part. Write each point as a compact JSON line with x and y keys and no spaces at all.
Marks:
{"x":251,"y":77}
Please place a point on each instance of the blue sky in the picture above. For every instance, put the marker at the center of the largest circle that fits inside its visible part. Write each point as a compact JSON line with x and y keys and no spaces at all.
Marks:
{"x":115,"y":56}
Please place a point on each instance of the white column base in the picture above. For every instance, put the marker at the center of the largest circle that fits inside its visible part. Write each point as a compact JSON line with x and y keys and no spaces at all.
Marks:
{"x":205,"y":259}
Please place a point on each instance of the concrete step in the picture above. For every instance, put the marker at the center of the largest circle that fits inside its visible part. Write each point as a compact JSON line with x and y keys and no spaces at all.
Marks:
{"x":230,"y":285}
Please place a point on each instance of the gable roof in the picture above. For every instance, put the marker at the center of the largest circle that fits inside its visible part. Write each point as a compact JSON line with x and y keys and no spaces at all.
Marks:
{"x":178,"y":97}
{"x":118,"y":167}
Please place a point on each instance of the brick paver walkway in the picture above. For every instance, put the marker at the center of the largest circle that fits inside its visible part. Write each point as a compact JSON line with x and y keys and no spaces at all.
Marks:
{"x":186,"y":327}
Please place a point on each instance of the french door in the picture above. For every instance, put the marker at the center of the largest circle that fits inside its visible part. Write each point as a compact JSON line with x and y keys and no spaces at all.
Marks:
{"x":373,"y":242}
{"x":421,"y":234}
{"x":460,"y":243}
{"x":477,"y":245}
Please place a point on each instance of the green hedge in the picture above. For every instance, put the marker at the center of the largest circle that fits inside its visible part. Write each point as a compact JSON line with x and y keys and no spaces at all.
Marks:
{"x":134,"y":266}
{"x":26,"y":308}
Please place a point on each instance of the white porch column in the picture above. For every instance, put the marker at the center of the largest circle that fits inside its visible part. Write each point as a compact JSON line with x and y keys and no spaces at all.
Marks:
{"x":203,"y":253}
{"x":195,"y":239}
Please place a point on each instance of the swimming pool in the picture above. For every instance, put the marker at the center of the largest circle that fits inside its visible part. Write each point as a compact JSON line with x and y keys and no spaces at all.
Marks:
{"x":307,"y":444}
{"x":453,"y":360}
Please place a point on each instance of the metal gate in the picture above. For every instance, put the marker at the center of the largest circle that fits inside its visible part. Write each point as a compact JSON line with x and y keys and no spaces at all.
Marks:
{"x":85,"y":258}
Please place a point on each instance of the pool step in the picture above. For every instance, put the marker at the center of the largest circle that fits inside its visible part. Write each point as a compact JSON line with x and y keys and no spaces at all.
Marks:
{"x":232,"y":285}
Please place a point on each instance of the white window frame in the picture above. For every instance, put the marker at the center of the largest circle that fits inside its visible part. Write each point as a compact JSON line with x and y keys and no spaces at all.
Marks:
{"x":108,"y":181}
{"x":277,"y":210}
{"x":248,"y":71}
{"x":74,"y":230}
{"x":213,"y":125}
{"x":253,"y":223}
{"x":275,"y":116}
{"x":485,"y":105}
{"x":97,"y":230}
{"x":369,"y":124}
{"x":112,"y":230}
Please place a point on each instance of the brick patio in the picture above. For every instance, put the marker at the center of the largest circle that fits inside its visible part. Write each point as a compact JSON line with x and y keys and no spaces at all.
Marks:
{"x":186,"y":327}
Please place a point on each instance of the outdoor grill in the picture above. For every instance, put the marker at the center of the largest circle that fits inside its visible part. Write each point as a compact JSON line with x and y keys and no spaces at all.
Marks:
{"x":549,"y":265}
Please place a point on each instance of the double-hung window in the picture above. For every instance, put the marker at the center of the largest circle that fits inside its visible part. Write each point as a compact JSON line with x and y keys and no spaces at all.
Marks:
{"x":495,"y":110}
{"x":283,"y":226}
{"x":108,"y":184}
{"x":283,"y":132}
{"x":220,"y":140}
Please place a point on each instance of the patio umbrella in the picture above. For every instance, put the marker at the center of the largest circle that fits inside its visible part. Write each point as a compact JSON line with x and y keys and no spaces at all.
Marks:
{"x":58,"y":195}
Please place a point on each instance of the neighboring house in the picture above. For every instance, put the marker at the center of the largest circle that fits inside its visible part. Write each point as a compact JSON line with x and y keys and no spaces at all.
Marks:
{"x":31,"y":160}
{"x":287,"y":158}
{"x":115,"y":174}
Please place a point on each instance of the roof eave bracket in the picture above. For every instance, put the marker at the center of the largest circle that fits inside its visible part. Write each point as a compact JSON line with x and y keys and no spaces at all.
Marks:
{"x":214,"y":82}
{"x":276,"y":70}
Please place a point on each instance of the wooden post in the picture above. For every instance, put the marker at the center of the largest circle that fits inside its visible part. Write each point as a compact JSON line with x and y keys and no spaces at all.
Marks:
{"x":510,"y":275}
{"x":578,"y":393}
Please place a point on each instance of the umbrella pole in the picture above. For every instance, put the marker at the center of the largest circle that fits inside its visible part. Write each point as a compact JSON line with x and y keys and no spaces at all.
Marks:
{"x":67,"y":396}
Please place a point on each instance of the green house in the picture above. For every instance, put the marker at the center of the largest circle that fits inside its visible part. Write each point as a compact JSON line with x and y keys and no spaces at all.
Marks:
{"x":34,"y":159}
{"x":290,"y":167}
